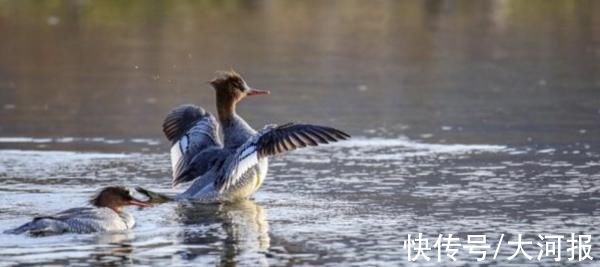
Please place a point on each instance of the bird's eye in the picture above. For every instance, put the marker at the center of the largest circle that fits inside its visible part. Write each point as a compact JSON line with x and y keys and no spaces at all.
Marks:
{"x":240,"y":87}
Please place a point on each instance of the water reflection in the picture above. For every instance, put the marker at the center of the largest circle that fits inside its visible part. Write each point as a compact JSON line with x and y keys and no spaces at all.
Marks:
{"x":106,"y":249}
{"x":244,"y":226}
{"x":113,"y":249}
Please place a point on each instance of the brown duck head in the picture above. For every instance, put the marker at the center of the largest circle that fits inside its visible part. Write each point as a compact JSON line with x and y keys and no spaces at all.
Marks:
{"x":231,"y":88}
{"x":115,"y":198}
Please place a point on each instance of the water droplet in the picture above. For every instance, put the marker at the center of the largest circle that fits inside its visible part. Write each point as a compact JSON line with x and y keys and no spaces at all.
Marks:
{"x":426,"y":135}
{"x":53,"y":20}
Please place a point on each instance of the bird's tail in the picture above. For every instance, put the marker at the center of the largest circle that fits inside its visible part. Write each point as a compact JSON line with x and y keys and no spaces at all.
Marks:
{"x":21,"y":229}
{"x":154,"y":197}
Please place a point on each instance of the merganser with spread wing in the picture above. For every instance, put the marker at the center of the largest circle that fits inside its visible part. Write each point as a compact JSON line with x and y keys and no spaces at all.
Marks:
{"x":227,"y":160}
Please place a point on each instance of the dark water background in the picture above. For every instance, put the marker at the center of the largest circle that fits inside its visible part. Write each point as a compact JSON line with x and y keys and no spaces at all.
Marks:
{"x":469,"y":117}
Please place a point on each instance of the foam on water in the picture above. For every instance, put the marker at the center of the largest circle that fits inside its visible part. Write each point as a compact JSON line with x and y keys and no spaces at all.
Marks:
{"x":57,"y":155}
{"x":79,"y":140}
{"x":405,"y":142}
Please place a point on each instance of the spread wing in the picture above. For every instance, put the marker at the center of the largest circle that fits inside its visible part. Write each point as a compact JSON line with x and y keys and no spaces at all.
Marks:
{"x":274,"y":140}
{"x":194,"y":134}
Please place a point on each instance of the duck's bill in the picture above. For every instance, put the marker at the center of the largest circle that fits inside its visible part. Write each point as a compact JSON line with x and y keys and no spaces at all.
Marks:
{"x":253,"y":91}
{"x":139,"y":203}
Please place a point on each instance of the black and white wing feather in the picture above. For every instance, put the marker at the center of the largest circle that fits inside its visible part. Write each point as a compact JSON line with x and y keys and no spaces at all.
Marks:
{"x":194,"y":133}
{"x":273,"y":140}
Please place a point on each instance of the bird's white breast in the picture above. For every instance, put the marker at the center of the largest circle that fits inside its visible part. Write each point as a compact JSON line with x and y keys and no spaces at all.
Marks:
{"x":262,"y":167}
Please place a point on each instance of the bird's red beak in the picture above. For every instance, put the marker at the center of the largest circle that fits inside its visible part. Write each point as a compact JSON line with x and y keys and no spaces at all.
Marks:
{"x":139,"y":203}
{"x":253,"y":91}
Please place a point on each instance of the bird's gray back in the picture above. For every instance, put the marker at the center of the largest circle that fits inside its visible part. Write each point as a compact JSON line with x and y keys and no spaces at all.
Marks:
{"x":81,"y":220}
{"x":236,"y":132}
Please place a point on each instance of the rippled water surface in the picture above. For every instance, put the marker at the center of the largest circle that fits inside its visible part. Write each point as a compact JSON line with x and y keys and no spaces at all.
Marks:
{"x":468,"y":117}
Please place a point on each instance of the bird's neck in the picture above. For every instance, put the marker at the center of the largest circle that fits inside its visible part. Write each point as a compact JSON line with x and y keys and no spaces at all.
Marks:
{"x":113,"y":206}
{"x":225,"y":108}
{"x":117,"y":209}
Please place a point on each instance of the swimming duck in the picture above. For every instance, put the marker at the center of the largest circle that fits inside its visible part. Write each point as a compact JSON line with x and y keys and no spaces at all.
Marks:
{"x":104,"y":215}
{"x":227,"y":160}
